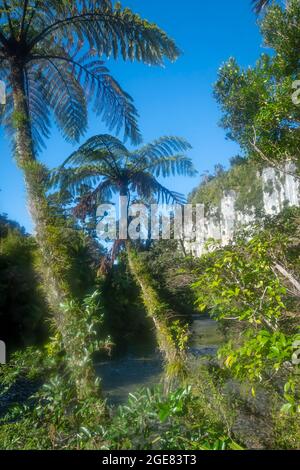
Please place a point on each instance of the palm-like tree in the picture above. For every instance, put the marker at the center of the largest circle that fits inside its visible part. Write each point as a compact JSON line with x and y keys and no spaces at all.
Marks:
{"x":103,"y":166}
{"x":51,"y":60}
{"x":51,"y":53}
{"x":107,"y":167}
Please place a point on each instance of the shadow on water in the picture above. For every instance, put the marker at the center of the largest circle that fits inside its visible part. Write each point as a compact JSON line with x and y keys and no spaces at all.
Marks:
{"x":125,"y":375}
{"x":141,"y":365}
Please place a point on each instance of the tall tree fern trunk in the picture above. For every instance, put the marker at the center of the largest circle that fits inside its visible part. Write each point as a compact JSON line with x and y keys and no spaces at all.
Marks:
{"x":49,"y":229}
{"x":35,"y":175}
{"x":168,"y":337}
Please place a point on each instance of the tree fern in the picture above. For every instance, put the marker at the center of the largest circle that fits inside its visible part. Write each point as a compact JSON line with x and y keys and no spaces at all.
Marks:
{"x":107,"y":167}
{"x":51,"y":60}
{"x":59,"y":46}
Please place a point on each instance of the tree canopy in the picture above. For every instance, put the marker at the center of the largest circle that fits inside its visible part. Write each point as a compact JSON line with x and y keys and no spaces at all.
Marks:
{"x":103,"y":166}
{"x":259,"y":105}
{"x":59,"y":47}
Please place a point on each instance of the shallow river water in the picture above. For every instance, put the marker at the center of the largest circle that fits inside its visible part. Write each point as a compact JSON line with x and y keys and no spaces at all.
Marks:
{"x":143,"y":367}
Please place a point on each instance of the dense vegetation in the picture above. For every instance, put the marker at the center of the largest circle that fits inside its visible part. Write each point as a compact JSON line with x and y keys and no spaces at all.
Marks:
{"x":23,"y":309}
{"x":243,"y":177}
{"x":68,"y":302}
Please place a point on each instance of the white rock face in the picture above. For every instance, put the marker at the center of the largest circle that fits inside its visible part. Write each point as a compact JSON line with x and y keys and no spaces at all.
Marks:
{"x":280,"y":190}
{"x":228,"y":217}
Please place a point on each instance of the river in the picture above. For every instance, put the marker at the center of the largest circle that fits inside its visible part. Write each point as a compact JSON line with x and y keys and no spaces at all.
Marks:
{"x":142,"y":365}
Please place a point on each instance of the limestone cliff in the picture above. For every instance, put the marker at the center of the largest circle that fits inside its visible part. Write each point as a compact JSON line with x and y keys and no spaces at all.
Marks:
{"x":254,"y":193}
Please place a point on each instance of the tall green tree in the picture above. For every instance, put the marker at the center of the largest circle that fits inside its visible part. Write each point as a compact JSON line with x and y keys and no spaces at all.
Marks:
{"x":260,"y":104}
{"x":51,"y":55}
{"x":105,"y":166}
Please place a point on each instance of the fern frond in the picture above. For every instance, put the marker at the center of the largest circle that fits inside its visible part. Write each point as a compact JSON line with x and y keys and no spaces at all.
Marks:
{"x":72,"y":179}
{"x":63,"y":44}
{"x":147,"y":186}
{"x":164,"y":147}
{"x":172,"y":165}
{"x":98,"y":148}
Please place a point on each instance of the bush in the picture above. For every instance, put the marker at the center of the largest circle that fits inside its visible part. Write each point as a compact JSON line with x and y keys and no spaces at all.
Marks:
{"x":23,"y":310}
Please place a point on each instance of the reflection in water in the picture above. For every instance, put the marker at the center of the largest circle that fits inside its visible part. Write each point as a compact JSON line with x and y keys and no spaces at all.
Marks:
{"x":123,"y":376}
{"x":205,"y":336}
{"x":143,"y":367}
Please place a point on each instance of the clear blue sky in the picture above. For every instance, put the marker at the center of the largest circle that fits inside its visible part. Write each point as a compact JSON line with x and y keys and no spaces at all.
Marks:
{"x":175,"y":100}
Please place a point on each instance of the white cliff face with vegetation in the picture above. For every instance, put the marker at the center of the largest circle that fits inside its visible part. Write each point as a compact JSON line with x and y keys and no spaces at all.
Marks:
{"x":279,"y":189}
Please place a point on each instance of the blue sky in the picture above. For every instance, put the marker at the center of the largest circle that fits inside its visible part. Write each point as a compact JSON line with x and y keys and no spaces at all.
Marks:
{"x":175,"y":100}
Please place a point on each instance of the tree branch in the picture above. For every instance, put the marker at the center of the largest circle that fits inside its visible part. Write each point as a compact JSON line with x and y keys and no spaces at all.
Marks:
{"x":268,"y":160}
{"x":288,"y":276}
{"x":23,"y":17}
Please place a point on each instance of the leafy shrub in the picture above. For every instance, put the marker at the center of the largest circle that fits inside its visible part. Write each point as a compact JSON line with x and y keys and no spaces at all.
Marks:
{"x":154,"y":420}
{"x":23,"y":310}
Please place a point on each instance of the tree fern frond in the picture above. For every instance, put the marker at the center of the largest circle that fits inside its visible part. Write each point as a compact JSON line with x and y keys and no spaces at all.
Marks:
{"x":38,"y":109}
{"x":105,"y":190}
{"x":65,"y":97}
{"x":94,"y":82}
{"x":172,"y":165}
{"x":126,"y":169}
{"x":97,"y":148}
{"x":146,"y":185}
{"x":68,"y":40}
{"x":72,"y":179}
{"x":164,"y":147}
{"x":109,"y":30}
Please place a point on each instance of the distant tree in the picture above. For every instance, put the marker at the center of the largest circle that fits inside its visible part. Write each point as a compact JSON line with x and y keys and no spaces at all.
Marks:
{"x":105,"y":165}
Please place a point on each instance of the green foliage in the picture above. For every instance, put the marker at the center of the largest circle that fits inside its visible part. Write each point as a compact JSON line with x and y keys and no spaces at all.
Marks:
{"x":243,"y":178}
{"x":240,"y":284}
{"x":70,"y":394}
{"x":153,"y":420}
{"x":180,"y":334}
{"x":171,"y":336}
{"x":258,"y":110}
{"x":23,"y":310}
{"x":103,"y":166}
{"x":81,"y":338}
{"x":259,"y":351}
{"x":50,"y":418}
{"x":52,"y":39}
{"x":30,"y":363}
{"x":54,"y":417}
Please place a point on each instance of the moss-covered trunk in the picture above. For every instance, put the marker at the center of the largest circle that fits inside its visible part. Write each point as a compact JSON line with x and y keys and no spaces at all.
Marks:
{"x":49,"y":228}
{"x":168,"y":331}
